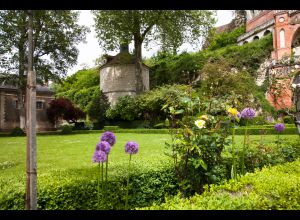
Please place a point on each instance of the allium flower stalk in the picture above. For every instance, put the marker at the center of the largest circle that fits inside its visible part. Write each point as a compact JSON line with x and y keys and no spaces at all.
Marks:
{"x":233,"y":115}
{"x":99,"y":157}
{"x":103,"y":146}
{"x":109,"y":137}
{"x":279,"y":127}
{"x":131,"y":147}
{"x":247,"y":113}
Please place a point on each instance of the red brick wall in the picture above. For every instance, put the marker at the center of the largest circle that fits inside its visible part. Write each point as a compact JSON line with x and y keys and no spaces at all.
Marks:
{"x":284,"y":97}
{"x":260,"y":19}
{"x":289,"y":29}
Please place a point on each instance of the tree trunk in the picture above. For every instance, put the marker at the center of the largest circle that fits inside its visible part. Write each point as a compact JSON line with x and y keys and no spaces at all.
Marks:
{"x":138,"y":65}
{"x":31,"y":180}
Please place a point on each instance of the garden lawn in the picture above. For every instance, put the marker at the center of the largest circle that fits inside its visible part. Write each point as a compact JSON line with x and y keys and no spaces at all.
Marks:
{"x":63,"y":160}
{"x":73,"y":154}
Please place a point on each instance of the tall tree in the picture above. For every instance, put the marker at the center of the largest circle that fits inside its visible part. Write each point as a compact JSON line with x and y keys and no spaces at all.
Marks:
{"x":171,"y":27}
{"x":55,"y":36}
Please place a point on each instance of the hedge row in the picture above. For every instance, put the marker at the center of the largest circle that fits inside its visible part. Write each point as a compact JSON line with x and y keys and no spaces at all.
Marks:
{"x":239,"y":131}
{"x":70,"y":191}
{"x":274,"y":188}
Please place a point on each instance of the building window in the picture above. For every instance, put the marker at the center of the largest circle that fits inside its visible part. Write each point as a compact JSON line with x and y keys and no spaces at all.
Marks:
{"x":39,"y":105}
{"x":282,"y":38}
{"x":256,"y":38}
{"x":16,"y":104}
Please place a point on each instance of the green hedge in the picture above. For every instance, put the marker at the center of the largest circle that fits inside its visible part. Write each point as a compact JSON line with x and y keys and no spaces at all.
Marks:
{"x":258,"y":130}
{"x":274,"y":188}
{"x":254,"y":130}
{"x":71,"y":191}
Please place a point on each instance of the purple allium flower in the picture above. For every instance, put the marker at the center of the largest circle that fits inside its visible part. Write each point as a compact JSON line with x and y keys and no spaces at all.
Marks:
{"x":109,"y":137}
{"x":131,"y":147}
{"x":103,"y":146}
{"x":99,"y":156}
{"x":248,"y":113}
{"x":239,"y":115}
{"x":279,"y":127}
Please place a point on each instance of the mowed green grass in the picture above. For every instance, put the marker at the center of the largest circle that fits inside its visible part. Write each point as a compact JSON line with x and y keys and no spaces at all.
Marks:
{"x":70,"y":156}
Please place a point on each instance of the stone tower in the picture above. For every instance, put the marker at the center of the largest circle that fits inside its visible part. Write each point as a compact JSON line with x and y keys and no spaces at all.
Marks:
{"x":117,"y":76}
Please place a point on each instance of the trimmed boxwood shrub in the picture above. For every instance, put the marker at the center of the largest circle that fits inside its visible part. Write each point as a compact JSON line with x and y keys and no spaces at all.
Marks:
{"x":274,"y":188}
{"x":66,"y":129}
{"x":17,"y":131}
{"x":62,"y":191}
{"x":288,"y":120}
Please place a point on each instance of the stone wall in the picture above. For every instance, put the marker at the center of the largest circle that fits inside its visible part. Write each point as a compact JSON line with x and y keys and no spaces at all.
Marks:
{"x":9,"y":112}
{"x":120,"y":80}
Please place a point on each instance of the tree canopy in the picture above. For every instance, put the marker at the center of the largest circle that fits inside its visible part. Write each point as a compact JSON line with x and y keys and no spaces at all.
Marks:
{"x":170,"y":27}
{"x":56,"y":34}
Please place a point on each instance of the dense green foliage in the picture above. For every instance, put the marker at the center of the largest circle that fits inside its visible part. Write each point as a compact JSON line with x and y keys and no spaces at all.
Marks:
{"x":97,"y":108}
{"x":186,"y":67}
{"x":275,"y":188}
{"x":219,"y":40}
{"x":17,"y":131}
{"x":80,"y":87}
{"x":147,"y":106}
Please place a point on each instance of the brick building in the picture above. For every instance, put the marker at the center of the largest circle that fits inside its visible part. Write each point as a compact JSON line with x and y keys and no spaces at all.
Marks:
{"x":285,"y":58}
{"x":9,"y":108}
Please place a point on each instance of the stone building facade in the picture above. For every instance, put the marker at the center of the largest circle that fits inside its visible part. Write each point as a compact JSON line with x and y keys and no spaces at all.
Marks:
{"x":285,"y":57}
{"x":117,"y":76}
{"x":9,"y":108}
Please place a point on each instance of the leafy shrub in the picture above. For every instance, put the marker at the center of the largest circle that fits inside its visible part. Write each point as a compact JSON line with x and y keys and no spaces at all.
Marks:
{"x":111,"y":128}
{"x":17,"y":131}
{"x":258,"y":120}
{"x":225,"y":38}
{"x":275,"y":188}
{"x":66,"y":129}
{"x":55,"y":193}
{"x":97,"y":107}
{"x":125,"y":109}
{"x":258,"y":155}
{"x":288,"y":120}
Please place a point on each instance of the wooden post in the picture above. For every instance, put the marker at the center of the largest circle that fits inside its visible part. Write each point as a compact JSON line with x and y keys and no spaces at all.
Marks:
{"x":31,"y":171}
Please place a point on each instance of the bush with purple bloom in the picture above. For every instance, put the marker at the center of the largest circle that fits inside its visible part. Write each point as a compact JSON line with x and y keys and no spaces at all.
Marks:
{"x":279,"y":127}
{"x":248,"y":113}
{"x":131,"y":147}
{"x":109,"y":137}
{"x":103,"y":146}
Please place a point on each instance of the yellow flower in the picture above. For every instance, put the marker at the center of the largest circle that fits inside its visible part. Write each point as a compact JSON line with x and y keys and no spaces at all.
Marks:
{"x":233,"y":111}
{"x":200,"y":123}
{"x":204,"y":117}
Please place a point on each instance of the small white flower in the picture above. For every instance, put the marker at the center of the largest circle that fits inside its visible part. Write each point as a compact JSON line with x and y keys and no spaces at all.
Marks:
{"x":200,"y":123}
